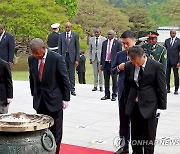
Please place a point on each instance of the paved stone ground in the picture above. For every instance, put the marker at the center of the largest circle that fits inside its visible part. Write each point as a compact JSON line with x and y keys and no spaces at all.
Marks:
{"x":90,"y":122}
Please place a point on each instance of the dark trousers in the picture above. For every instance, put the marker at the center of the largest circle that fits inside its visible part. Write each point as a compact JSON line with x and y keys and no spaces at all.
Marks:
{"x":57,"y":128}
{"x":71,"y":71}
{"x":142,"y":130}
{"x":81,"y":77}
{"x":107,"y":74}
{"x":124,"y":128}
{"x":176,"y":76}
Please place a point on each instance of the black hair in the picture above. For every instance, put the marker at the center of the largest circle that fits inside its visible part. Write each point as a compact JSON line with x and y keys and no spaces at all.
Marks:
{"x":128,"y":34}
{"x":135,"y":51}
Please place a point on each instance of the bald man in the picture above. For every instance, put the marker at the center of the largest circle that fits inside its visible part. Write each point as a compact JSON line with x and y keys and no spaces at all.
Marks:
{"x":110,"y":48}
{"x":68,"y":47}
{"x":172,"y":45}
{"x":49,"y":84}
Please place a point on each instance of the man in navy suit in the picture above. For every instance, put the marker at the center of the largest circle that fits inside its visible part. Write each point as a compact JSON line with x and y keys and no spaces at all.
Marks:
{"x":68,"y":47}
{"x":7,"y":45}
{"x":110,"y":48}
{"x":6,"y":86}
{"x":49,"y":84}
{"x":128,"y":39}
{"x":172,"y":45}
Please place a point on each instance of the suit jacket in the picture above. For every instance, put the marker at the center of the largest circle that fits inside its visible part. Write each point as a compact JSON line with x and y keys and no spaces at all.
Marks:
{"x":54,"y":86}
{"x":81,"y":67}
{"x":6,"y":86}
{"x":173,"y":52}
{"x":7,"y":47}
{"x":116,"y":47}
{"x":73,"y":46}
{"x":121,"y":57}
{"x":52,"y":40}
{"x":93,"y":50}
{"x":151,"y":93}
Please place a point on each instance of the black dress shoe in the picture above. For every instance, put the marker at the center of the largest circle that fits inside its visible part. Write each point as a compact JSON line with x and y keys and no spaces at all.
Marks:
{"x":122,"y":151}
{"x":176,"y":92}
{"x":113,"y":99}
{"x":168,"y":91}
{"x":105,"y":97}
{"x":73,"y":93}
{"x":94,"y":89}
{"x":101,"y":89}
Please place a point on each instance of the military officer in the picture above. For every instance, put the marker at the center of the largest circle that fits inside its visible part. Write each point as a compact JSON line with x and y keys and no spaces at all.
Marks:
{"x":154,"y":50}
{"x":52,"y":40}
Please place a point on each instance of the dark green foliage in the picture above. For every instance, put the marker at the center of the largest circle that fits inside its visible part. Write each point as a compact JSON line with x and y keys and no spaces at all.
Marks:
{"x":70,"y":5}
{"x":32,"y":18}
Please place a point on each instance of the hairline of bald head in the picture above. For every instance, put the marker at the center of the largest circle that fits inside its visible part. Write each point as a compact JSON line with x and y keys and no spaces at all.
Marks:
{"x":36,"y":44}
{"x":173,"y":30}
{"x":68,"y":24}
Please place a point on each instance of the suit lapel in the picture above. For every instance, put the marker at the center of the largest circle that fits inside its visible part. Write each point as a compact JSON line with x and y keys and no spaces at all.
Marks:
{"x":105,"y":48}
{"x":71,"y":36}
{"x":148,"y":66}
{"x":4,"y":36}
{"x":35,"y":67}
{"x":93,"y":41}
{"x":125,"y":56}
{"x":113,"y":44}
{"x":174,"y":42}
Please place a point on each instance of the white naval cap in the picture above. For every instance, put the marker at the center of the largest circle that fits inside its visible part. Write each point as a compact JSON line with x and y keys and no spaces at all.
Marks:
{"x":56,"y":25}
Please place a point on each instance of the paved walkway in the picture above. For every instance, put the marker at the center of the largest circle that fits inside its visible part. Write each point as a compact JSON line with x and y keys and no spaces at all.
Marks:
{"x":90,"y":122}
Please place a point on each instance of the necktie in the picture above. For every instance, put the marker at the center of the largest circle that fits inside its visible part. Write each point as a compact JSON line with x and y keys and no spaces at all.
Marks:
{"x":140,"y":75}
{"x":41,"y":68}
{"x":96,"y":42}
{"x":109,"y":51}
{"x":67,"y":41}
{"x":171,"y":42}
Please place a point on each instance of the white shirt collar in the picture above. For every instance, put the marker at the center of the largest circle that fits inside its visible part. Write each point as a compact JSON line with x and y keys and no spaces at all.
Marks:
{"x":2,"y":35}
{"x":144,"y":65}
{"x":69,"y":33}
{"x":45,"y":55}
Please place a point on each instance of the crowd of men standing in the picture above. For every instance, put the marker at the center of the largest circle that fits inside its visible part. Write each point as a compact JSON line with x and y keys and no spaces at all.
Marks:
{"x":142,"y":77}
{"x":141,"y":86}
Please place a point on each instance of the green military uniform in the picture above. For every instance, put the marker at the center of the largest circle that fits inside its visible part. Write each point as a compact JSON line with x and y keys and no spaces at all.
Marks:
{"x":156,"y":52}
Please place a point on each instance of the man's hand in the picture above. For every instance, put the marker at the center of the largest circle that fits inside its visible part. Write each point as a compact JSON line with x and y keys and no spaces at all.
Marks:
{"x":9,"y":100}
{"x":178,"y":65}
{"x":65,"y":104}
{"x":159,"y":112}
{"x":121,"y":66}
{"x":76,"y":63}
{"x":101,"y":67}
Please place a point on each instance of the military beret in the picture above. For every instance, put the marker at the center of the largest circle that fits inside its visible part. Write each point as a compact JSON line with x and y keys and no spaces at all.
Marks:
{"x":152,"y":34}
{"x":56,"y":25}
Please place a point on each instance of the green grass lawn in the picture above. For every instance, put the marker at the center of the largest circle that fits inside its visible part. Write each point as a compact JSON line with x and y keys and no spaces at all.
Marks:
{"x":20,"y":70}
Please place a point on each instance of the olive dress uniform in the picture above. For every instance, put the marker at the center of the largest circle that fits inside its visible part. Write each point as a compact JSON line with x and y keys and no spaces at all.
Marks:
{"x":156,"y":52}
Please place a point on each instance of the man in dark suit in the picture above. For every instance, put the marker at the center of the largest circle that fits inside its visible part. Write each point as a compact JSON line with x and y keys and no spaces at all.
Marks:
{"x":49,"y":84}
{"x":144,"y":94}
{"x":52,"y":40}
{"x":68,"y":47}
{"x":173,"y":59}
{"x":81,"y":68}
{"x":110,"y":48}
{"x":7,"y":45}
{"x":128,"y":39}
{"x":6,"y":86}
